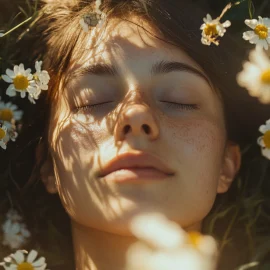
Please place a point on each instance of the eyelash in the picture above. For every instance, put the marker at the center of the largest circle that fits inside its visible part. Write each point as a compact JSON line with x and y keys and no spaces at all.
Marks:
{"x":90,"y":107}
{"x":186,"y":107}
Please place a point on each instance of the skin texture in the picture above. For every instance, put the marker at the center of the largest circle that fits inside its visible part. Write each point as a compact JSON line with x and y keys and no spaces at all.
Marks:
{"x":191,"y":141}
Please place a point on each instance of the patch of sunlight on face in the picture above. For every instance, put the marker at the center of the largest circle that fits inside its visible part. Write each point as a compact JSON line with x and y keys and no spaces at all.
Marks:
{"x":108,"y":45}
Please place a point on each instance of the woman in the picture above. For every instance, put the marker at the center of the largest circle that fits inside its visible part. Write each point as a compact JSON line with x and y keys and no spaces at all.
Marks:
{"x":139,"y":119}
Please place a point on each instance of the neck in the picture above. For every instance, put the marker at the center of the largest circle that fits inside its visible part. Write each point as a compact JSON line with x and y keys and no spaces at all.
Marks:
{"x":99,"y":250}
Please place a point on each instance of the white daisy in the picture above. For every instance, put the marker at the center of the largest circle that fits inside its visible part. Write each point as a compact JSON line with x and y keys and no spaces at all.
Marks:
{"x":20,"y":80}
{"x":212,"y":29}
{"x":41,"y":77}
{"x":18,"y":260}
{"x":264,"y":141}
{"x":9,"y":112}
{"x":255,"y":76}
{"x":260,"y":34}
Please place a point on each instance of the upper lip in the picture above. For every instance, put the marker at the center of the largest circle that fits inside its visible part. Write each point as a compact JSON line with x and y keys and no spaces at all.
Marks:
{"x":135,"y":160}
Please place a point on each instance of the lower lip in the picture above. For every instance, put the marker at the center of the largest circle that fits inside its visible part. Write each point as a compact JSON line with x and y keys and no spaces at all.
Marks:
{"x":137,"y":175}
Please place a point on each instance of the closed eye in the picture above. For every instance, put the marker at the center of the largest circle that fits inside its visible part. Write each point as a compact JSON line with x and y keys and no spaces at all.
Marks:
{"x":92,"y":107}
{"x":180,"y":106}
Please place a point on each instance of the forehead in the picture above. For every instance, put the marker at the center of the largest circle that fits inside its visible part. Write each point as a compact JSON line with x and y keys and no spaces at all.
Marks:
{"x":128,"y":43}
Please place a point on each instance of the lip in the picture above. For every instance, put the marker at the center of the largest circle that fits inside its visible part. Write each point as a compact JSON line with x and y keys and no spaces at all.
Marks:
{"x":131,"y":166}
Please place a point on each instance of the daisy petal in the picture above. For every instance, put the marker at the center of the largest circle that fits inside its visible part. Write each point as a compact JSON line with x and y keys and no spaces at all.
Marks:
{"x":251,"y":23}
{"x":39,"y":262}
{"x":248,"y":35}
{"x":16,"y":69}
{"x":38,"y":66}
{"x":208,"y":17}
{"x":254,"y":40}
{"x":32,"y":256}
{"x":10,"y":73}
{"x":11,"y":91}
{"x":260,"y":20}
{"x":21,"y":68}
{"x":258,"y":57}
{"x":7,"y":79}
{"x":41,"y":267}
{"x":27,"y":72}
{"x":266,"y":153}
{"x":3,"y":145}
{"x":227,"y":24}
{"x":31,"y":99}
{"x":18,"y":256}
{"x":266,"y":22}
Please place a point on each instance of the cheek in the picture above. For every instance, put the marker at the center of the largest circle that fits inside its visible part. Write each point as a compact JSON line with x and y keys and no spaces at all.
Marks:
{"x":75,"y":147}
{"x":196,"y":149}
{"x":196,"y":139}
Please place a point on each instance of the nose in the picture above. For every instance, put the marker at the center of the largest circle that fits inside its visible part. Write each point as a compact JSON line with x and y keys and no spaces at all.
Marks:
{"x":136,"y":120}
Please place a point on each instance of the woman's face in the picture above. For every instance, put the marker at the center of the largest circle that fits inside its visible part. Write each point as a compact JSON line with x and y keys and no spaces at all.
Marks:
{"x":138,"y":86}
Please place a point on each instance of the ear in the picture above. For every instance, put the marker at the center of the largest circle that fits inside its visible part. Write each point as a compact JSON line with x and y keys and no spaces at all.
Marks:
{"x":231,"y":166}
{"x":46,"y":169}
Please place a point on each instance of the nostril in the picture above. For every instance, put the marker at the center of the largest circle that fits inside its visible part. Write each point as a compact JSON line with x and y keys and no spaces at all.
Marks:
{"x":146,"y":128}
{"x":127,"y":128}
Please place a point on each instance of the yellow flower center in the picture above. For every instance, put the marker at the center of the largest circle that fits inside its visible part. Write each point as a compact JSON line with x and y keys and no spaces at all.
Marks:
{"x":262,"y":31}
{"x":194,"y":238}
{"x":211,"y":30}
{"x":266,"y":139}
{"x":25,"y":266}
{"x":2,"y":133}
{"x":20,"y":82}
{"x":266,"y":76}
{"x":6,"y":115}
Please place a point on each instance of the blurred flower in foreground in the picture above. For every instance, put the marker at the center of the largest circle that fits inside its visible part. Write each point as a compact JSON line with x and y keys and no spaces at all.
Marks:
{"x":261,"y":32}
{"x":165,"y":246}
{"x":19,"y":261}
{"x":212,"y":29}
{"x":1,"y":34}
{"x":14,"y":230}
{"x":255,"y":76}
{"x":264,"y":141}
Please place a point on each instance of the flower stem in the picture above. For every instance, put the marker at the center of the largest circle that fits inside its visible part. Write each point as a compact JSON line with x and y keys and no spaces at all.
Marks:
{"x":17,"y":26}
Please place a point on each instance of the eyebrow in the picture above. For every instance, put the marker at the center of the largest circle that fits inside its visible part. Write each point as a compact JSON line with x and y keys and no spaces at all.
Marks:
{"x":164,"y":67}
{"x":161,"y":67}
